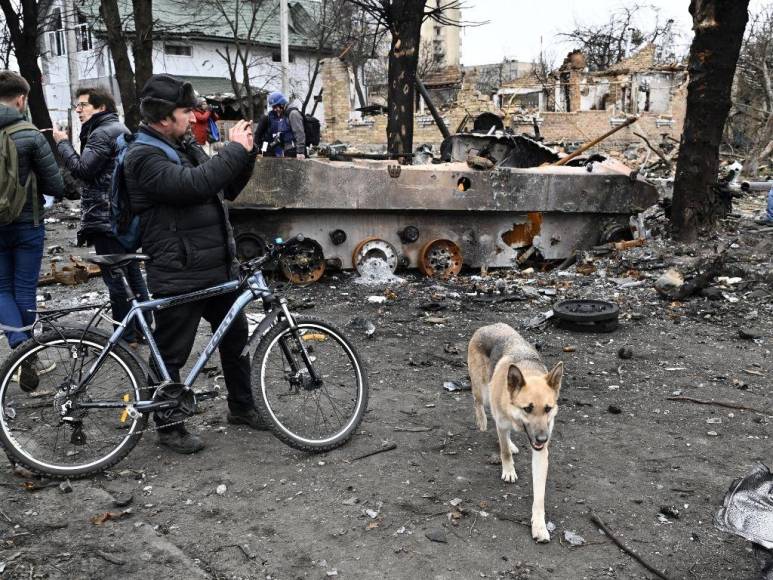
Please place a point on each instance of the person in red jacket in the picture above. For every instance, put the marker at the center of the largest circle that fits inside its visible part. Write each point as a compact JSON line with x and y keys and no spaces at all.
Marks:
{"x":201,"y":127}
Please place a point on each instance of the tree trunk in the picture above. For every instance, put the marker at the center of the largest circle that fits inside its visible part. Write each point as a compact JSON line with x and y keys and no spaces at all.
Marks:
{"x":108,"y":10}
{"x":403,"y":62}
{"x":310,"y":91}
{"x":24,"y":37}
{"x":719,"y":27}
{"x":143,"y":42}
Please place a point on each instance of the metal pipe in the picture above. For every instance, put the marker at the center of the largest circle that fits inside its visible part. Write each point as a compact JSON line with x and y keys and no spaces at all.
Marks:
{"x":432,"y":110}
{"x":596,"y":141}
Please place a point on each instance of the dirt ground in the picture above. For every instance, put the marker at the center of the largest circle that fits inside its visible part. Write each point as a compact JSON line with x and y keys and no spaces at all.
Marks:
{"x":655,"y":470}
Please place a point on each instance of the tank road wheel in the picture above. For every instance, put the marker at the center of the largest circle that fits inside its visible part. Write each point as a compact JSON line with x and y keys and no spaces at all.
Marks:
{"x":440,"y":259}
{"x":304,"y":263}
{"x":249,"y":246}
{"x":371,"y":249}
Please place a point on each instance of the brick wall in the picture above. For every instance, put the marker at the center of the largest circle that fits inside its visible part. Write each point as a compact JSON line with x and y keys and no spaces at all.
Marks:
{"x":371,"y":129}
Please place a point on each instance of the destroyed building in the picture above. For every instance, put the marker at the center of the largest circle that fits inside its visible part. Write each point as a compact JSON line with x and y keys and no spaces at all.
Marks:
{"x":570,"y":105}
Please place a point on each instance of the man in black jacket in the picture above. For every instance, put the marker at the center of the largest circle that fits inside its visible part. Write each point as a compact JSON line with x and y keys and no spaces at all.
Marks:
{"x":21,"y":241}
{"x":100,"y":127}
{"x":185,"y":229}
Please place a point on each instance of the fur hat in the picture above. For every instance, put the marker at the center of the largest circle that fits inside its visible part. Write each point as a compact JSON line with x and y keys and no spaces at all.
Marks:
{"x":169,"y":89}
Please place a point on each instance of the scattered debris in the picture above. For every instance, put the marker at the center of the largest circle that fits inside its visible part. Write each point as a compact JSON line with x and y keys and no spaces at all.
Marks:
{"x":573,"y":539}
{"x":383,"y":449}
{"x":437,"y":535}
{"x":453,"y":386}
{"x":100,"y":519}
{"x":600,"y":523}
{"x":728,"y":404}
{"x":747,"y":509}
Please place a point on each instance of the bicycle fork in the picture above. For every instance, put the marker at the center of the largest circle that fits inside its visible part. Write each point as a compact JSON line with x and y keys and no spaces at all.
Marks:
{"x":315,"y":381}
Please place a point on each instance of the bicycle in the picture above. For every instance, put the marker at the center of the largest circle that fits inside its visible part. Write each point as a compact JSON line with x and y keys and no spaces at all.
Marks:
{"x":88,"y":412}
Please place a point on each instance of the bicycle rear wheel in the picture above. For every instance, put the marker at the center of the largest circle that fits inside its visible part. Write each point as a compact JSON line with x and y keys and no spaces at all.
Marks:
{"x":32,"y":429}
{"x":308,"y":415}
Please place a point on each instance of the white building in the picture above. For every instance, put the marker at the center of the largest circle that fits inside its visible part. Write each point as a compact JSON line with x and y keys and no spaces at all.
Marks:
{"x":190,"y":39}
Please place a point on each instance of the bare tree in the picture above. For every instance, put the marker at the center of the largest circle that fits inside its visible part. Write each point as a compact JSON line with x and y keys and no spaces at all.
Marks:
{"x":719,"y":31}
{"x":607,"y":44}
{"x":249,"y":69}
{"x":25,"y":21}
{"x":753,"y":94}
{"x":403,"y":19}
{"x":130,"y":81}
{"x":6,"y":46}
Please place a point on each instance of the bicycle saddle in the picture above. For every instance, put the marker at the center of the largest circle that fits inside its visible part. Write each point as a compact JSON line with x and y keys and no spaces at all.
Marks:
{"x":117,"y":260}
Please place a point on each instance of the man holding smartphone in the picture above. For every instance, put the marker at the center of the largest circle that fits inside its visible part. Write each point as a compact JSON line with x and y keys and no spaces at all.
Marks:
{"x":179,"y":195}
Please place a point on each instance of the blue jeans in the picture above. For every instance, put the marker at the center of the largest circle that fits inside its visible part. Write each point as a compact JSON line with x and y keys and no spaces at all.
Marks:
{"x":21,"y":250}
{"x":770,"y":204}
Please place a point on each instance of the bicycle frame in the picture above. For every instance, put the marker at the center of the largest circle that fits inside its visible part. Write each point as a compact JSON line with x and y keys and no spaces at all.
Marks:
{"x":256,"y":287}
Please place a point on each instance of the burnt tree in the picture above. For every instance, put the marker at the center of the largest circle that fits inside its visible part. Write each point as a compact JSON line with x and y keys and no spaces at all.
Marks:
{"x":24,"y":21}
{"x":142,"y":48}
{"x":403,"y":19}
{"x":108,"y":11}
{"x":130,"y":81}
{"x":719,"y":29}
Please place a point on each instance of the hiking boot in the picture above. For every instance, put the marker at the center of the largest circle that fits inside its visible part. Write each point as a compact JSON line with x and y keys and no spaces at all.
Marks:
{"x":28,"y":373}
{"x":180,"y":441}
{"x":249,"y":417}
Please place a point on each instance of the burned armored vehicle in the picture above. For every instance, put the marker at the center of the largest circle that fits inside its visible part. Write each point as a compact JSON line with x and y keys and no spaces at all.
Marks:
{"x":489,"y":201}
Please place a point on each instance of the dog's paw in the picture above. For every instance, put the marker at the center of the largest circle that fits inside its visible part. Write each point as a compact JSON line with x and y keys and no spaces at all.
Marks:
{"x":508,"y":474}
{"x":513,"y":447}
{"x":539,"y":532}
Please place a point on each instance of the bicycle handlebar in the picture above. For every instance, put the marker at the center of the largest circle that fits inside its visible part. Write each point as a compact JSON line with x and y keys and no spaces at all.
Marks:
{"x":273,"y":251}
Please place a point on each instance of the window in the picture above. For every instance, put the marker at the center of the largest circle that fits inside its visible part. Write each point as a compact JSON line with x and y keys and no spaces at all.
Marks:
{"x":56,"y":43}
{"x":83,"y":34}
{"x":178,"y":49}
{"x":277,"y":57}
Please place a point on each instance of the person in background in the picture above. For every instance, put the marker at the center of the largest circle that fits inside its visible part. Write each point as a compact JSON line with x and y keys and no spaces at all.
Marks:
{"x":21,"y":240}
{"x":281,"y":133}
{"x":100,"y":127}
{"x":200,"y":128}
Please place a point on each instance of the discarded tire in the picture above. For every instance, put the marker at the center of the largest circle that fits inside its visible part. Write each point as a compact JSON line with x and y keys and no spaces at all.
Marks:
{"x":587,"y":315}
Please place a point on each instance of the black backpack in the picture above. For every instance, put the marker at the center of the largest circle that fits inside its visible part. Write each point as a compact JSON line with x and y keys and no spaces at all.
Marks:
{"x":311,"y":127}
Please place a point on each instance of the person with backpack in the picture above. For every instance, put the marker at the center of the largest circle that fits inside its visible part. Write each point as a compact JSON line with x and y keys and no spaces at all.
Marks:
{"x":281,"y":133}
{"x":100,"y":128}
{"x":27,"y":171}
{"x":178,"y":193}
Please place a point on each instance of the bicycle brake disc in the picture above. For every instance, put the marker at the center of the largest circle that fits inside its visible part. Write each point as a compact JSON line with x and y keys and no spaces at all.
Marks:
{"x":185,"y":398}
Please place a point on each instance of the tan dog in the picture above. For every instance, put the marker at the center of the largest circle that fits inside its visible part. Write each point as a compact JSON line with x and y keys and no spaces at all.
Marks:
{"x":508,"y":375}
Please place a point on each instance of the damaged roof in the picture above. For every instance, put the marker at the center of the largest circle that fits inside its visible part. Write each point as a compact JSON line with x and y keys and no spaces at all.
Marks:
{"x":204,"y":20}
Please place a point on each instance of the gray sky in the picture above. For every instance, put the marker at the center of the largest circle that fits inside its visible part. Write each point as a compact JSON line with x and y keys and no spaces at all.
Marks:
{"x":515,"y":27}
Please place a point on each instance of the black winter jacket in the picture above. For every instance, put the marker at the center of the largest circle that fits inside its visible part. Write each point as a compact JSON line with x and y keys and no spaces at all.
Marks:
{"x":183,"y":219}
{"x":34,"y":154}
{"x":94,"y":168}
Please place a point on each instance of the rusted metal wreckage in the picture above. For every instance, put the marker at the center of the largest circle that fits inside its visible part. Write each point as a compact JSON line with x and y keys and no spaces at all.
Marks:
{"x":439,"y":216}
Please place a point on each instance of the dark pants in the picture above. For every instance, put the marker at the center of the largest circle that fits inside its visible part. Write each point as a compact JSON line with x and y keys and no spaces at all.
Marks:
{"x":107,"y":244}
{"x":21,"y":249}
{"x":176,"y":331}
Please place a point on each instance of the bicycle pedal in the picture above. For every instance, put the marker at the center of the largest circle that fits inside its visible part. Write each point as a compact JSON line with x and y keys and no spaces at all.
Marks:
{"x":78,"y":437}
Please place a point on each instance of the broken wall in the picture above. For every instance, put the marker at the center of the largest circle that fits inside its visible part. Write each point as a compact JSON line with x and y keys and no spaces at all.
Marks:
{"x":344,"y":124}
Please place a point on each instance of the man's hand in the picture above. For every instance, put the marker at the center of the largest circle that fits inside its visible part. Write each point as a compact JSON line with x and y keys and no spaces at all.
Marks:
{"x":301,"y":156}
{"x":241,"y":133}
{"x":58,"y":135}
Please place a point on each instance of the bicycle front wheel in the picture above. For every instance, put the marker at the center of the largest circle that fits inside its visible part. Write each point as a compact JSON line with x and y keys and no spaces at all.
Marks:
{"x":314,"y":406}
{"x":37,"y":380}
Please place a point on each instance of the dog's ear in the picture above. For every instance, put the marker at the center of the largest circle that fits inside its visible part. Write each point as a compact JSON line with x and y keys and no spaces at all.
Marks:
{"x":514,"y":379}
{"x":555,"y":375}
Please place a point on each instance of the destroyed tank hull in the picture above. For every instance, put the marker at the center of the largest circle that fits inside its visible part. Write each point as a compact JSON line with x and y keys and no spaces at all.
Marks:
{"x":434,"y":217}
